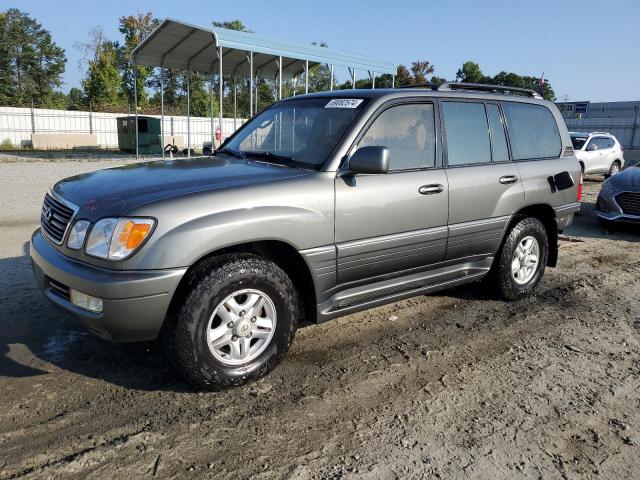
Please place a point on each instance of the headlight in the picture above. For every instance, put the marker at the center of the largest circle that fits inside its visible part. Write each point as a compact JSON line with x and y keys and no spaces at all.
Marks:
{"x":118,"y":238}
{"x":77,"y":234}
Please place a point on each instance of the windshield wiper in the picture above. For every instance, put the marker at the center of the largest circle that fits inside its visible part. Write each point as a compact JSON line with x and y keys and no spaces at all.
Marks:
{"x":272,"y":157}
{"x":231,"y":152}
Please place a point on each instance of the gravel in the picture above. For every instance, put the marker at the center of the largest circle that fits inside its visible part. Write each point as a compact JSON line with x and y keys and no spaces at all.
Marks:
{"x":457,"y":385}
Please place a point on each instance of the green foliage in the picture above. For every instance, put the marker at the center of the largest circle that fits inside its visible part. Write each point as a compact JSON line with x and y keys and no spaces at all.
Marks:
{"x":103,"y":85}
{"x":31,"y":64}
{"x":75,"y":99}
{"x":135,"y":29}
{"x":470,"y":73}
{"x":232,"y":25}
{"x":6,"y":144}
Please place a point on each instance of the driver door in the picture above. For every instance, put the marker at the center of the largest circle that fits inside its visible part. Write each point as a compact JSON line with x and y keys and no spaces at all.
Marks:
{"x":387,"y":224}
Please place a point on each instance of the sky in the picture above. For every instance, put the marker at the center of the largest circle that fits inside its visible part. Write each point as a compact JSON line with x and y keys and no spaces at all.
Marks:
{"x":588,"y":50}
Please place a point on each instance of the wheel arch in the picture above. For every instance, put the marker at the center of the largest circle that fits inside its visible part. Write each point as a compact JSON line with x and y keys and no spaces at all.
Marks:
{"x":547,"y":215}
{"x":281,"y":253}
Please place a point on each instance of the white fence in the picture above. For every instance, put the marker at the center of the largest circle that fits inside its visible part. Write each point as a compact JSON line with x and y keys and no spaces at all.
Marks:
{"x":17,"y":125}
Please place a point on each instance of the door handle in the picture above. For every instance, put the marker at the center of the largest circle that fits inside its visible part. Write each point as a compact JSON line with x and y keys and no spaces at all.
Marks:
{"x":508,"y":179}
{"x":430,"y":189}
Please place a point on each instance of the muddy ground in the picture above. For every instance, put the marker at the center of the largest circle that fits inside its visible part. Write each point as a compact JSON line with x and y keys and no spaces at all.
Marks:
{"x":452,"y":385}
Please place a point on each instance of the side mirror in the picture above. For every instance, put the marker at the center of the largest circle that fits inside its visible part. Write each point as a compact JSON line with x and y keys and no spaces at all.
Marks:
{"x":370,"y":160}
{"x":592,"y":147}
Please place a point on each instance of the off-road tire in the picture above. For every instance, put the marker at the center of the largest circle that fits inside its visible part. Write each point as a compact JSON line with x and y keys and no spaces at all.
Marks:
{"x":500,"y":278}
{"x":184,"y":333}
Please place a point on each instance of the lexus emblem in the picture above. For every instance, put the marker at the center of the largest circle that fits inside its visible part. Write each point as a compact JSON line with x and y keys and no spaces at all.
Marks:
{"x":47,"y":214}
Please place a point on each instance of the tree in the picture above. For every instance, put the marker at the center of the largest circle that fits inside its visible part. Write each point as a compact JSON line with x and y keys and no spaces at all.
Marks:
{"x":103,"y":85}
{"x":75,"y":99}
{"x":403,"y":76}
{"x":232,"y":25}
{"x":435,"y":80}
{"x":31,"y":63}
{"x":420,"y":69}
{"x":135,"y":29}
{"x":470,"y":73}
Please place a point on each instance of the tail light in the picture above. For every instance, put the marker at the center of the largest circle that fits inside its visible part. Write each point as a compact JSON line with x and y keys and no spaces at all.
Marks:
{"x":579,"y":194}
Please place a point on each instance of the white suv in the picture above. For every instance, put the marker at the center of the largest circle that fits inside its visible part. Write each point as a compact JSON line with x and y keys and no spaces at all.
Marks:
{"x":598,"y":153}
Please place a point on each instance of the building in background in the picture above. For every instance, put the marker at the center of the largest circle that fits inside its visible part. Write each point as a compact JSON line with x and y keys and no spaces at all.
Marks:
{"x":618,"y":118}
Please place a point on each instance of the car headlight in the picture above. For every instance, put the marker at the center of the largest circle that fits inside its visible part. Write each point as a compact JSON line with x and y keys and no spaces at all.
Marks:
{"x":118,"y":238}
{"x":77,"y":234}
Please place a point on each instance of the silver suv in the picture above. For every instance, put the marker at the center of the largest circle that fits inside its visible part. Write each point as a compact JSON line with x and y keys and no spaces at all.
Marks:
{"x":319,"y":206}
{"x":598,"y":153}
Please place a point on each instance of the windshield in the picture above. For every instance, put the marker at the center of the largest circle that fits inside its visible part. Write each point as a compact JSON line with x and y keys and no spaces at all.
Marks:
{"x":578,"y":142}
{"x":296,"y":132}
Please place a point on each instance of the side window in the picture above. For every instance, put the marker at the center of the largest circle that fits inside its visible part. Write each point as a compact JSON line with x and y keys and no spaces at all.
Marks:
{"x":533,"y":131}
{"x":498,"y":138}
{"x":467,"y":132}
{"x":593,"y":144}
{"x":408,"y":131}
{"x":605,"y":142}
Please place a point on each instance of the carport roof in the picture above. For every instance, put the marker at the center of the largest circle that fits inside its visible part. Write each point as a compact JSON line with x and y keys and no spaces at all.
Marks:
{"x":180,"y":45}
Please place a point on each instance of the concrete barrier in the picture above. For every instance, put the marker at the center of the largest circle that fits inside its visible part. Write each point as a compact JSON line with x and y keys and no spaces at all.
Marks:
{"x":55,"y":141}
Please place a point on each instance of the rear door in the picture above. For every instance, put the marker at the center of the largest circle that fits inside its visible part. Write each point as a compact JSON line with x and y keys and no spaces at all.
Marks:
{"x":394,"y":222}
{"x":607,"y":153}
{"x":592,"y":156}
{"x":485,"y":187}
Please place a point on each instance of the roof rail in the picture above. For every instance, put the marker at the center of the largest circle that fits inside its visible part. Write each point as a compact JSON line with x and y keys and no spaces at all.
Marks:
{"x":450,"y":86}
{"x":432,"y":86}
{"x":599,"y":133}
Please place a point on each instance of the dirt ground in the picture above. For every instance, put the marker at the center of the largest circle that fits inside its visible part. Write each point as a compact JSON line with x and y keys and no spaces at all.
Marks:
{"x":451,"y":385}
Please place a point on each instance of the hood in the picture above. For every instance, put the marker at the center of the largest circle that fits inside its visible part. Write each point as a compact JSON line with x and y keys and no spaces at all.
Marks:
{"x":629,"y":177}
{"x":116,"y":190}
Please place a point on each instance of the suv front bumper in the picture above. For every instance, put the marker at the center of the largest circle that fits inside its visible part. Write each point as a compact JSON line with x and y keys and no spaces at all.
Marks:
{"x":135,"y":303}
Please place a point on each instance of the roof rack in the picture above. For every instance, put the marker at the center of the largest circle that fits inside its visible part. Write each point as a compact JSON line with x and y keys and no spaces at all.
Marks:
{"x":478,"y":87}
{"x":450,"y":86}
{"x":432,"y":86}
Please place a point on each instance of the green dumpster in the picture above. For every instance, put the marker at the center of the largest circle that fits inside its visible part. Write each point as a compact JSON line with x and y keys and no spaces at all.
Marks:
{"x":148,"y":134}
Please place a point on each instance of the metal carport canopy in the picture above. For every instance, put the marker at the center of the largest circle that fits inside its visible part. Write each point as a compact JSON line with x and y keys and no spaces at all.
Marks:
{"x":180,"y":45}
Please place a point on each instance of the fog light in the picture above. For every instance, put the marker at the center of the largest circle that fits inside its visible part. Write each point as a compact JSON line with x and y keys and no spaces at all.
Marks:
{"x":85,"y":301}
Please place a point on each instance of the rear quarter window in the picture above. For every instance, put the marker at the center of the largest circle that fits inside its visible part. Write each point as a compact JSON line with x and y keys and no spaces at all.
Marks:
{"x":533,"y":131}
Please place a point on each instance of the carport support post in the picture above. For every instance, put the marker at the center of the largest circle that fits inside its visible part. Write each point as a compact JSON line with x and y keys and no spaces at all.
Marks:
{"x":280,"y":78}
{"x":162,"y":110}
{"x":220,"y":91}
{"x":353,"y":78}
{"x":393,"y":81}
{"x":188,"y":114}
{"x":250,"y":84}
{"x":235,"y":103}
{"x":135,"y":104}
{"x":306,"y":76}
{"x":373,"y":80}
{"x":213,"y":127}
{"x":331,"y":78}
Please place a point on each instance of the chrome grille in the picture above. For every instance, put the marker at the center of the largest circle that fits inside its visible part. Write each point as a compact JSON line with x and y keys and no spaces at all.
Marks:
{"x":629,"y":202}
{"x":55,"y":218}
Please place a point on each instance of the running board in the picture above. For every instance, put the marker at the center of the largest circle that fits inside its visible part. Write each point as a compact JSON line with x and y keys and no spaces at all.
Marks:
{"x":372,"y":295}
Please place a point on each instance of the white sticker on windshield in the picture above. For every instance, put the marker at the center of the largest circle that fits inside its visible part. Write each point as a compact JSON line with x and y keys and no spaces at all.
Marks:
{"x":344,"y":103}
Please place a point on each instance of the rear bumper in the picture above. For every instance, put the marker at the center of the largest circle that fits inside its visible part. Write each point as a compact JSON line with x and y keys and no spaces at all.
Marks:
{"x":565,"y":213}
{"x":135,"y":303}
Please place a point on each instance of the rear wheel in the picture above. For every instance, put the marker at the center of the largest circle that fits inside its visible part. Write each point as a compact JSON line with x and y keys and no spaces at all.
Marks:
{"x":235,"y":323}
{"x":615,"y":168}
{"x":521,"y":260}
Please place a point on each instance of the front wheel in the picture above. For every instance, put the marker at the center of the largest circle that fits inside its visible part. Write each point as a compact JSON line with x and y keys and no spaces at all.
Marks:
{"x":521,"y":260}
{"x":235,"y":323}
